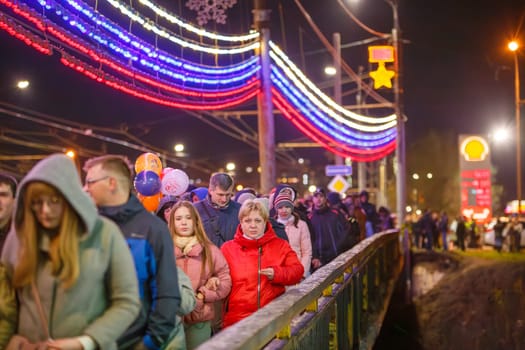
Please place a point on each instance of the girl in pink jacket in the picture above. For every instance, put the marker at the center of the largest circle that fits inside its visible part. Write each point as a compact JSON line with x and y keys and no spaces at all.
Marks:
{"x":204,"y":264}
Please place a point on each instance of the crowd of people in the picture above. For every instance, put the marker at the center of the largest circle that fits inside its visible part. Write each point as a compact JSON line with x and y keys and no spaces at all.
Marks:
{"x":86,"y":266}
{"x":433,"y":230}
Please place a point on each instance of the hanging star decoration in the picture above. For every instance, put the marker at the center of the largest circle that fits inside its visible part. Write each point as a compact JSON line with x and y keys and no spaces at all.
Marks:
{"x":382,"y":76}
{"x":380,"y":55}
{"x":210,"y":10}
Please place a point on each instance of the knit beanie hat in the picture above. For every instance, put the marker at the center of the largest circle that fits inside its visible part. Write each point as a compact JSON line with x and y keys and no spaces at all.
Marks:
{"x":283,"y":198}
{"x":244,"y":194}
{"x":200,"y":192}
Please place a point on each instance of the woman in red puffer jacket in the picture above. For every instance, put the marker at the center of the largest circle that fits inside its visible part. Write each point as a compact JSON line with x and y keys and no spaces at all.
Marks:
{"x":261,"y":264}
{"x":204,"y":264}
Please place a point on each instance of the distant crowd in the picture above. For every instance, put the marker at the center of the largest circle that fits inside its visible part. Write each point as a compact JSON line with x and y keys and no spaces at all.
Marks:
{"x":432,"y":230}
{"x":87,"y":266}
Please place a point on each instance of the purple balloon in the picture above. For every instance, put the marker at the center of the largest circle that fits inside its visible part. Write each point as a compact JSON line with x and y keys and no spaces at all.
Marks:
{"x":147,"y":183}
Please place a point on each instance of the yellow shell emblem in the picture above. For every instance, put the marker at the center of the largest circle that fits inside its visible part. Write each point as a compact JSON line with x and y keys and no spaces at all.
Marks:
{"x":474,"y":149}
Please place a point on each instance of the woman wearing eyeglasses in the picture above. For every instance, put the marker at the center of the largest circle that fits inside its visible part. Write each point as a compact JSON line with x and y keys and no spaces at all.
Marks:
{"x":261,"y":264}
{"x":72,"y":270}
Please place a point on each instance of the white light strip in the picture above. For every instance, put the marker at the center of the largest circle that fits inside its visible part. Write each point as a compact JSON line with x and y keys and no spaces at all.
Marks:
{"x":322,"y":95}
{"x":149,"y":25}
{"x":327,"y":109}
{"x":199,"y":31}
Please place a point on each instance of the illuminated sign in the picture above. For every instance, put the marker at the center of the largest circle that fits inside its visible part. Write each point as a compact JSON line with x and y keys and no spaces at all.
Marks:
{"x":476,"y":184}
{"x":474,"y":149}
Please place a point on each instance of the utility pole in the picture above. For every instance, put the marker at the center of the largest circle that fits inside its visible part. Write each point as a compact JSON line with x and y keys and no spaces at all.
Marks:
{"x":398,"y":110}
{"x":337,"y":80}
{"x":361,"y":166}
{"x":265,"y":118}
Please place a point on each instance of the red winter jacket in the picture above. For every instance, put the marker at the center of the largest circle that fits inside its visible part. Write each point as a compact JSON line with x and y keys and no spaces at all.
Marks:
{"x":242,"y":256}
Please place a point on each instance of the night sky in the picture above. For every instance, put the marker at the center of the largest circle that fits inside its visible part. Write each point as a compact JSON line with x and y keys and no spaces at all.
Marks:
{"x":458,"y":75}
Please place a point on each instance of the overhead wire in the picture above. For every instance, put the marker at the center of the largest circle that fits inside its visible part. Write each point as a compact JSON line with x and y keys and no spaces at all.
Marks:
{"x":332,"y":51}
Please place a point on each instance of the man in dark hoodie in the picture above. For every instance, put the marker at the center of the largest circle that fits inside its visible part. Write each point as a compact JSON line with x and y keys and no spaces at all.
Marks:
{"x":108,"y":182}
{"x":331,"y":235}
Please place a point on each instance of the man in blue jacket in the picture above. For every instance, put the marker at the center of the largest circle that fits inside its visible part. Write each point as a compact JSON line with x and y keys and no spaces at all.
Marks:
{"x":108,"y":182}
{"x":219,"y":213}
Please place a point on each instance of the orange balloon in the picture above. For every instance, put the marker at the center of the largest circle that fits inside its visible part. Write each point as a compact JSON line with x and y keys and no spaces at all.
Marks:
{"x":151,"y":202}
{"x":148,"y":161}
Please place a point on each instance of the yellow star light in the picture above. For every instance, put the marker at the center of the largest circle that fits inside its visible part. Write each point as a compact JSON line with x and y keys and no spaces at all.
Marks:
{"x":382,"y":76}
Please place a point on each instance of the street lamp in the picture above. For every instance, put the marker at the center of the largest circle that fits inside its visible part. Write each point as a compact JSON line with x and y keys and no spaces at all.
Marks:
{"x":514,"y":46}
{"x":22,"y":84}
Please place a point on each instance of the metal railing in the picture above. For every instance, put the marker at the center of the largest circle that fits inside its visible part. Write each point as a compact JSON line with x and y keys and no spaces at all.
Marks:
{"x":340,"y":306}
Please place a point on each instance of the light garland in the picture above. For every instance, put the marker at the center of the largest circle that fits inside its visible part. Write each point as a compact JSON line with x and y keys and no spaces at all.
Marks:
{"x":283,"y":61}
{"x":300,"y":102}
{"x":88,"y":31}
{"x":27,"y":37}
{"x":150,"y":26}
{"x":330,"y":111}
{"x":161,"y":12}
{"x":334,"y":133}
{"x":324,"y":140}
{"x":115,"y":83}
{"x":129,"y":39}
{"x":297,"y":106}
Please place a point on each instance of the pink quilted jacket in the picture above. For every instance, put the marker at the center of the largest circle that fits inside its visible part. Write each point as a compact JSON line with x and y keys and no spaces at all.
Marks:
{"x":191,"y":264}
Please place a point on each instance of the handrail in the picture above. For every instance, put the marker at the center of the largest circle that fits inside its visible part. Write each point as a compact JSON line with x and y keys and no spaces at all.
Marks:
{"x":375,"y":260}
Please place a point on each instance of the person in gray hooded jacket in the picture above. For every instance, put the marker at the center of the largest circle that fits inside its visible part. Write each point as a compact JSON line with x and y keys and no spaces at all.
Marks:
{"x":78,"y":261}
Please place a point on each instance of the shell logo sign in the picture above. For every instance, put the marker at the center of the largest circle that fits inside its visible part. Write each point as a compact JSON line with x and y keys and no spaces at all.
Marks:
{"x":474,"y":149}
{"x":475,"y":177}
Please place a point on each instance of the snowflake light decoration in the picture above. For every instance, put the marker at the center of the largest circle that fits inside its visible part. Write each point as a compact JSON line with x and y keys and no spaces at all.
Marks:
{"x":210,"y":10}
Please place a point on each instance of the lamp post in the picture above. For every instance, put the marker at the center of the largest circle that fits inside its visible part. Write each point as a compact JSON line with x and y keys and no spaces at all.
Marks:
{"x":398,"y":110}
{"x":514,"y":46}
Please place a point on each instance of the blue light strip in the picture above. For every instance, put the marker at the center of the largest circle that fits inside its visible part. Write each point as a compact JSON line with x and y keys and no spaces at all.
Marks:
{"x":180,"y":75}
{"x":328,"y":125}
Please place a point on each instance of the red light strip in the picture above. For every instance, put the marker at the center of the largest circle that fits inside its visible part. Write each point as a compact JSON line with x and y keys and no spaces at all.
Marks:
{"x":252,"y":86}
{"x":324,"y":140}
{"x":115,"y":83}
{"x":24,"y":35}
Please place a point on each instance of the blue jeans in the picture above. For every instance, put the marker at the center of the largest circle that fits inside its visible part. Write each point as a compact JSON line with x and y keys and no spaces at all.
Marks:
{"x":444,"y":239}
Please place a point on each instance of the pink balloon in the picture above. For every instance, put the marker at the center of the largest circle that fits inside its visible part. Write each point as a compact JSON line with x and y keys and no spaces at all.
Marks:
{"x":175,"y":183}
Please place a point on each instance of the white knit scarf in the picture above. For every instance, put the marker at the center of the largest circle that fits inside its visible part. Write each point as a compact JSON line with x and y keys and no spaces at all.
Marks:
{"x":185,"y":243}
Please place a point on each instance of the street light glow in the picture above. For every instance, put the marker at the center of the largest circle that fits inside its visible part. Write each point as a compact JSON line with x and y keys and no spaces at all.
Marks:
{"x":179,"y":147}
{"x":513,"y":45}
{"x":329,"y":70}
{"x":501,"y":135}
{"x":230,"y":166}
{"x":429,"y":175}
{"x":70,"y":153}
{"x":415,"y":176}
{"x":22,"y":84}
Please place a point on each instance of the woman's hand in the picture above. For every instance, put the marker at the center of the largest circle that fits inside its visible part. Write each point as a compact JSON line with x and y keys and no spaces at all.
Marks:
{"x":316,"y":263}
{"x":213,"y":283}
{"x":65,"y":344}
{"x":268,"y":272}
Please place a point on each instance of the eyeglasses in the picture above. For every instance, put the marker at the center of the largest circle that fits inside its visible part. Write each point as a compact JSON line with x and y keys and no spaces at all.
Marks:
{"x":92,"y":181}
{"x":52,"y":202}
